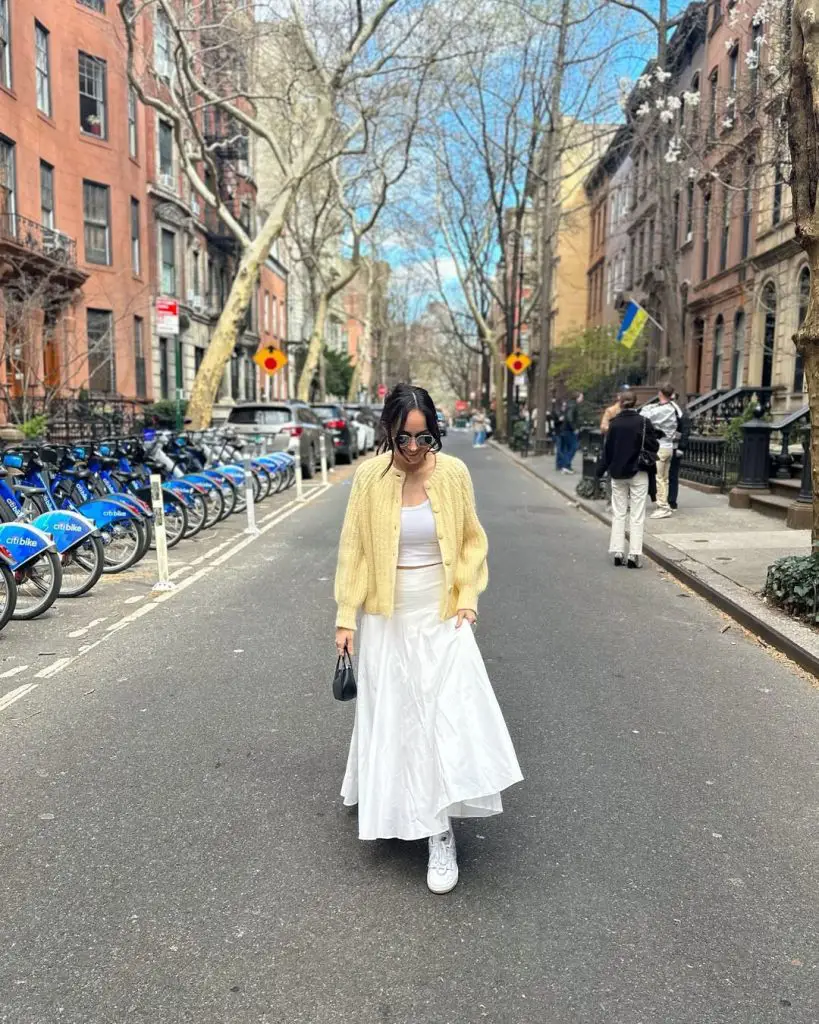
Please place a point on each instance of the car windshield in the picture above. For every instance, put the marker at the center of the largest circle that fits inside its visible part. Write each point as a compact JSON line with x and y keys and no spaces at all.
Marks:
{"x":260,"y":414}
{"x":327,"y":412}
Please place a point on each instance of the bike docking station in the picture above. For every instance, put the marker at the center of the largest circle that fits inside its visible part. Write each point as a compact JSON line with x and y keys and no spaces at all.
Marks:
{"x":323,"y":455}
{"x":300,"y":496}
{"x":251,"y":529}
{"x":164,"y":582}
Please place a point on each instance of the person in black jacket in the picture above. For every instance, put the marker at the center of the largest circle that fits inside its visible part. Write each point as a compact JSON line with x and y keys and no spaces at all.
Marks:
{"x":629,"y":433}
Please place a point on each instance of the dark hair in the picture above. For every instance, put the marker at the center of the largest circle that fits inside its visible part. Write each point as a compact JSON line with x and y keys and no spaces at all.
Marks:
{"x":666,"y":390}
{"x":401,"y":401}
{"x":628,"y":400}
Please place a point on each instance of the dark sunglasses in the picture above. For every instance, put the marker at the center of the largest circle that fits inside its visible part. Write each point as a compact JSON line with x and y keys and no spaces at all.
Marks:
{"x":424,"y":440}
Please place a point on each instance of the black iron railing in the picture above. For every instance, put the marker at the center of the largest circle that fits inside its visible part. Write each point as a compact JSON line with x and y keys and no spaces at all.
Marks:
{"x":77,"y":419}
{"x":713,"y":461}
{"x":788,"y":430}
{"x":728,"y":406}
{"x":41,"y":240}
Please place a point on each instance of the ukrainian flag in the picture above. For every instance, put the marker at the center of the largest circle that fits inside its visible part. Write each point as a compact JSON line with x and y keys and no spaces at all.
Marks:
{"x":631,"y":328}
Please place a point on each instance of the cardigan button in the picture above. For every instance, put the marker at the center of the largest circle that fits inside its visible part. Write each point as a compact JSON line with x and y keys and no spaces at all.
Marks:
{"x":448,"y":562}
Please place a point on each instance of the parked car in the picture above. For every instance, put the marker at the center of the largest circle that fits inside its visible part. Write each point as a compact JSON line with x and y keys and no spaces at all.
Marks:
{"x":292,"y":427}
{"x":377,"y":410}
{"x":443,"y":424}
{"x":365,"y":424}
{"x":342,"y":431}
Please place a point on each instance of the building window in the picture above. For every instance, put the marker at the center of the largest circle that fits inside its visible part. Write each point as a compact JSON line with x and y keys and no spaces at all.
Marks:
{"x":92,"y":96}
{"x":5,"y":45}
{"x":168,"y":262}
{"x":713,"y":84}
{"x":136,"y":260}
{"x":133,"y":135}
{"x":755,"y":57}
{"x":164,"y":369}
{"x":101,"y":367}
{"x":139,"y":358}
{"x":95,"y":5}
{"x":716,"y":365}
{"x":162,"y":45}
{"x":733,"y":72}
{"x":650,"y":246}
{"x":266,"y":312}
{"x":689,"y":210}
{"x":747,"y":207}
{"x":716,"y":14}
{"x":166,"y":177}
{"x":778,"y":185}
{"x":197,"y":284}
{"x":632,"y":270}
{"x":46,"y":195}
{"x":695,"y":107}
{"x":725,"y":234}
{"x":8,"y":191}
{"x":804,"y":297}
{"x":43,"y":68}
{"x":738,"y":353}
{"x":769,"y":333}
{"x":706,"y":233}
{"x":699,"y":343}
{"x":96,"y":216}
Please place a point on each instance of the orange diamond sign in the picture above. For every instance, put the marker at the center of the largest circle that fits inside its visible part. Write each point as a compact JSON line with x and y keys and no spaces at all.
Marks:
{"x":270,"y":359}
{"x":518,"y":362}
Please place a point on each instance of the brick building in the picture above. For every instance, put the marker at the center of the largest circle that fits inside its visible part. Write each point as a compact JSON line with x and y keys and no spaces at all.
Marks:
{"x":73,"y":210}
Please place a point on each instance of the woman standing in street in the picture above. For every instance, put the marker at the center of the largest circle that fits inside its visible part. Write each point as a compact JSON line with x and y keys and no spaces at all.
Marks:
{"x":631,"y":446}
{"x":429,"y":742}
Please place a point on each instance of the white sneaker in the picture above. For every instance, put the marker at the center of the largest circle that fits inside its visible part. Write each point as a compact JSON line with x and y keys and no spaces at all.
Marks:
{"x":661,"y":513}
{"x":442,"y":873}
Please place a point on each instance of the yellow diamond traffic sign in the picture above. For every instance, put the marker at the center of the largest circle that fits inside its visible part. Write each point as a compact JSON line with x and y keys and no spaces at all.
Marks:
{"x":518,"y":362}
{"x":270,"y":359}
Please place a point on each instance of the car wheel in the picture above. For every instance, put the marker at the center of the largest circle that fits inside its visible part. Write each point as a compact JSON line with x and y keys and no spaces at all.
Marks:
{"x":308,"y":468}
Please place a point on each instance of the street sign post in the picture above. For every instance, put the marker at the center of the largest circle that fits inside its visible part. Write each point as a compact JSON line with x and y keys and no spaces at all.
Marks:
{"x":167,"y":326}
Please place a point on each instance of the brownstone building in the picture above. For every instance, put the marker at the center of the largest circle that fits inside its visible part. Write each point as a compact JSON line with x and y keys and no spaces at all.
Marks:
{"x":73,"y":213}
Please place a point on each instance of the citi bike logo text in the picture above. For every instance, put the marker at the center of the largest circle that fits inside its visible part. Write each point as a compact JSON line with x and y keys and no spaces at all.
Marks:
{"x":25,"y":542}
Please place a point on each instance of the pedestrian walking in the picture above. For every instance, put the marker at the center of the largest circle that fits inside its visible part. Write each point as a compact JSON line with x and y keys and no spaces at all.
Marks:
{"x":631,"y":445}
{"x":429,"y":742}
{"x":681,"y":439}
{"x":664,"y":415}
{"x":567,"y":443}
{"x":479,"y":427}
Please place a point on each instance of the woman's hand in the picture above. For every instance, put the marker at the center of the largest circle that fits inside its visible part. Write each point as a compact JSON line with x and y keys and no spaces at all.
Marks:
{"x":345,"y":638}
{"x":466,"y":615}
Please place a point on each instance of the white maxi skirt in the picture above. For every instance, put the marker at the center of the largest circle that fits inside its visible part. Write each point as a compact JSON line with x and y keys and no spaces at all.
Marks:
{"x":429,"y":740}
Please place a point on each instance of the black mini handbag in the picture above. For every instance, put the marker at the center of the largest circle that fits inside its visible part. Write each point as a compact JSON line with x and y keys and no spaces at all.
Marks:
{"x":646,"y":461}
{"x":344,"y":684}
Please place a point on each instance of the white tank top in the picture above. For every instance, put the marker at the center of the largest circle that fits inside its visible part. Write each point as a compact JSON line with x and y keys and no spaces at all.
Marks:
{"x":418,"y":544}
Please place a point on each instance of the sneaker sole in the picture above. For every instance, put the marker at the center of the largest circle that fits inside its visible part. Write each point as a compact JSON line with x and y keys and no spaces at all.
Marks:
{"x":442,"y":892}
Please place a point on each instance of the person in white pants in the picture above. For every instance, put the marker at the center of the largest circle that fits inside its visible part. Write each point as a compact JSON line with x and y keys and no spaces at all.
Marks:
{"x":631,"y":441}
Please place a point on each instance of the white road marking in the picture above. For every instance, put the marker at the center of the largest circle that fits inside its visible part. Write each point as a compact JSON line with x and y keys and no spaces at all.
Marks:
{"x":77,"y":633}
{"x":15,"y":695}
{"x":53,"y":668}
{"x":179,"y":571}
{"x":56,"y":667}
{"x":14,"y":672}
{"x":134,"y":599}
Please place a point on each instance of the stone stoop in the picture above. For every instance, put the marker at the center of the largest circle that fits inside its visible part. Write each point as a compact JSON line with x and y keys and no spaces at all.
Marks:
{"x":778,"y":501}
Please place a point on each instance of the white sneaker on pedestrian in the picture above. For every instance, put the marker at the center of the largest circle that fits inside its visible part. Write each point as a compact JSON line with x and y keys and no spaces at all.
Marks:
{"x":566,"y":471}
{"x":661,"y":513}
{"x":442,"y":873}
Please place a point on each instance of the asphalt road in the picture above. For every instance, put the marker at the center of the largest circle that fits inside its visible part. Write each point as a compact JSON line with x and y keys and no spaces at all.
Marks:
{"x":173,"y":848}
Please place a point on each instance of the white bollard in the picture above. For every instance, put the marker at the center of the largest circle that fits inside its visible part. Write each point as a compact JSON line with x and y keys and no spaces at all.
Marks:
{"x":251,"y":527}
{"x":160,"y":537}
{"x":299,"y":481}
{"x":323,"y":455}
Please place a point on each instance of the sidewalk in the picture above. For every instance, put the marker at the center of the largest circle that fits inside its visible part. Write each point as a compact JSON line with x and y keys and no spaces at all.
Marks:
{"x":721,"y":552}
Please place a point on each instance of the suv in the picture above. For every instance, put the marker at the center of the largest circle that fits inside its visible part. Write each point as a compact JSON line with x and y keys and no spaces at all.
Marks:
{"x":343,"y":433}
{"x":292,"y":426}
{"x":364,"y":423}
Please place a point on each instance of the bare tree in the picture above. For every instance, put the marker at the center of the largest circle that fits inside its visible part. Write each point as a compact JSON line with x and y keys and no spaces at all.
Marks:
{"x":336,"y":60}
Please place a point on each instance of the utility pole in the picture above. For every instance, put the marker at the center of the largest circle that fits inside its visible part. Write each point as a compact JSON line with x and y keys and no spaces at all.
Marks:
{"x":549,"y":220}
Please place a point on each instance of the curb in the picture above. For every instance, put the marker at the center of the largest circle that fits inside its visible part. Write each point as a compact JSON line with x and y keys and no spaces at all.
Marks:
{"x":770,"y":626}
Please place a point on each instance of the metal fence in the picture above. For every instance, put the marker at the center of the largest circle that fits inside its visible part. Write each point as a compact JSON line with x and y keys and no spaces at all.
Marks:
{"x":78,"y":419}
{"x":712,"y":461}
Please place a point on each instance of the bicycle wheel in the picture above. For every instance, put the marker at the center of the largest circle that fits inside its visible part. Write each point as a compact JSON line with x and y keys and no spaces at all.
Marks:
{"x":8,"y":594}
{"x":123,"y":542}
{"x":215,"y":501}
{"x":265,"y":482}
{"x":82,"y":567}
{"x":176,"y":522}
{"x":38,"y":583}
{"x":230,"y":496}
{"x":197,"y":515}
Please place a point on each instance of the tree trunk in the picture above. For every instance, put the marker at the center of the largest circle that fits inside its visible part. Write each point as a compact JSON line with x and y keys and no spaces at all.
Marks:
{"x":311,"y":361}
{"x":496,"y":360}
{"x":222,"y":343}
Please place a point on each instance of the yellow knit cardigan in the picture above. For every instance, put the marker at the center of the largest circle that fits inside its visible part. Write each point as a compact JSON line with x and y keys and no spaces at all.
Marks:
{"x":368,"y":550}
